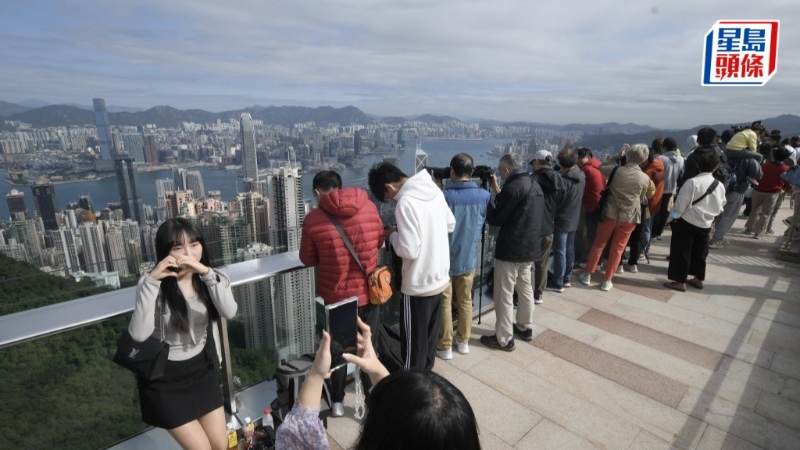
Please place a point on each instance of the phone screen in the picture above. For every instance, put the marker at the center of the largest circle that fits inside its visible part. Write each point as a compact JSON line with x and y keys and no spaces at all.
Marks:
{"x":343,"y":328}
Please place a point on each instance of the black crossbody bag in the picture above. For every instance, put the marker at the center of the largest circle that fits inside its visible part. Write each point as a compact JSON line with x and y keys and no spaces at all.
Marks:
{"x":146,"y":359}
{"x":602,"y":205}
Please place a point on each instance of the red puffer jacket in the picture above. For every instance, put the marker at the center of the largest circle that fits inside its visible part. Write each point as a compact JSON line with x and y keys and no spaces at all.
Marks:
{"x":338,"y":275}
{"x":656,"y":173}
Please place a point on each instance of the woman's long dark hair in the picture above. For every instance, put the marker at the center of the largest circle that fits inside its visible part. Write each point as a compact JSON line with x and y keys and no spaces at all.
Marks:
{"x":418,"y":409}
{"x":170,"y":234}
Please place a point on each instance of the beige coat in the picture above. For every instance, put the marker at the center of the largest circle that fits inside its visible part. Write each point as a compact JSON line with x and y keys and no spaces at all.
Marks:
{"x":628,"y":188}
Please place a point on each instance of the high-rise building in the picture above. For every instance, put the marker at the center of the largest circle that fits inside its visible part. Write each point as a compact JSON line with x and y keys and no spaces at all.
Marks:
{"x":259,"y":186}
{"x":150,"y":149}
{"x":255,"y":302}
{"x":117,"y":251}
{"x":103,"y":129}
{"x":194,"y":183}
{"x":133,"y":145}
{"x":263,"y":222}
{"x":420,"y":159}
{"x":16,"y":203}
{"x":93,"y":245}
{"x":66,"y":245}
{"x":45,"y":202}
{"x":357,"y":144}
{"x":179,"y":178}
{"x":317,"y":144}
{"x":248,"y":137}
{"x":293,"y":310}
{"x":175,"y":201}
{"x":246,"y":204}
{"x":163,"y":186}
{"x":25,"y":233}
{"x":85,"y":203}
{"x":129,"y":193}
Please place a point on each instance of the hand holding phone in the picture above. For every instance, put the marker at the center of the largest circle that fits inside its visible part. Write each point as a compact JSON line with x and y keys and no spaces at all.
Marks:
{"x":342,"y":325}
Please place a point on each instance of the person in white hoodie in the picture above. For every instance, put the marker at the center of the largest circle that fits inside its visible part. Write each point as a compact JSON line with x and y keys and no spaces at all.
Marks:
{"x":420,"y":240}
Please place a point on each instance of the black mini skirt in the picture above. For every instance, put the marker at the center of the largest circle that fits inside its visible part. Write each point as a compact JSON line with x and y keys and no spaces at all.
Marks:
{"x":188,"y":390}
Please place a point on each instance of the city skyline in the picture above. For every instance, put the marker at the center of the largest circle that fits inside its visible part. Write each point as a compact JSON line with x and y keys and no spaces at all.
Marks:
{"x":558,"y":63}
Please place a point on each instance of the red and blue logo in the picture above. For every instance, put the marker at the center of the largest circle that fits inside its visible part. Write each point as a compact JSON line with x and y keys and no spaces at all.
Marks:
{"x":740,"y":53}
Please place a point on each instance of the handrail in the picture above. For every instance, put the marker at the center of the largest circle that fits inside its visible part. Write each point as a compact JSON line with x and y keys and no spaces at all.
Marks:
{"x":36,"y":323}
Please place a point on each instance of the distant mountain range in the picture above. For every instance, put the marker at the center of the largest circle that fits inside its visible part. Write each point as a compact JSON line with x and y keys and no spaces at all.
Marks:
{"x":788,"y":124}
{"x":598,"y":136}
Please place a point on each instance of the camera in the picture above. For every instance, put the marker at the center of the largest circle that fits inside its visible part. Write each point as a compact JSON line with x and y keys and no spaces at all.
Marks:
{"x":485,"y":173}
{"x":440,"y":173}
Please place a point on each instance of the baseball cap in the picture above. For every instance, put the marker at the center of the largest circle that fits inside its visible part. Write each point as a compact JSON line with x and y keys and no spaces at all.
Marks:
{"x":542,"y":155}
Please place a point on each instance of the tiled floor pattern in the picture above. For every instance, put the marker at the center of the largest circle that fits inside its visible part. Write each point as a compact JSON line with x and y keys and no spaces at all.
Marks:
{"x":642,"y":367}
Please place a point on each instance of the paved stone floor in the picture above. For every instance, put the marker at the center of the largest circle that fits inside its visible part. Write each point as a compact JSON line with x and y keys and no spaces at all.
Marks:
{"x":643,"y":367}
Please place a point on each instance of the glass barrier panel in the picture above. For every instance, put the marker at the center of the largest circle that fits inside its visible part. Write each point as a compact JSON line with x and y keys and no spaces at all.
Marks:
{"x":63,"y":391}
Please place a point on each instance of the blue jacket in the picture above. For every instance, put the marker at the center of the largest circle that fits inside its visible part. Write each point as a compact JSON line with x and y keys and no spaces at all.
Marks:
{"x":468,"y":203}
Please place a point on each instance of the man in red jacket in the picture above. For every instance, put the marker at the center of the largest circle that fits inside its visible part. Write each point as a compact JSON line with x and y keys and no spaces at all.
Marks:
{"x":595,"y":183}
{"x":338,"y":276}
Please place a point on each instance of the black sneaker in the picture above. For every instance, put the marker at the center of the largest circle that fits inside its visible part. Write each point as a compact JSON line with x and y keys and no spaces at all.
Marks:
{"x":526,"y":335}
{"x":491,"y":342}
{"x":554,"y":288}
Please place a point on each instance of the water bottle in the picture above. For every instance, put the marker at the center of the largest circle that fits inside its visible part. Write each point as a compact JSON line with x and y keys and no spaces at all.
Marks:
{"x":248,"y":429}
{"x":267,"y":421}
{"x":233,"y":439}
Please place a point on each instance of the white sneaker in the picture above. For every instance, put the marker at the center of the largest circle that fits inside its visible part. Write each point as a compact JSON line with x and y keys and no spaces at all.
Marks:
{"x":462,"y":347}
{"x":632,"y":268}
{"x":620,"y":269}
{"x":337,"y":410}
{"x":585,"y":278}
{"x":445,"y":354}
{"x":606,"y":286}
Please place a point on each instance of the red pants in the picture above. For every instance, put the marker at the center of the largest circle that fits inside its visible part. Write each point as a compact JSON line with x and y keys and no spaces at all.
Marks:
{"x":621,"y":231}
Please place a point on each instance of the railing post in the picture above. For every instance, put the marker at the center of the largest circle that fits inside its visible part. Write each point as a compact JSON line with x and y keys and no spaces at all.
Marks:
{"x":228,"y":389}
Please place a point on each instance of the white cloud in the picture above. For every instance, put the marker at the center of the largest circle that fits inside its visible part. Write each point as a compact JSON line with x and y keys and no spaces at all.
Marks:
{"x":568,"y":61}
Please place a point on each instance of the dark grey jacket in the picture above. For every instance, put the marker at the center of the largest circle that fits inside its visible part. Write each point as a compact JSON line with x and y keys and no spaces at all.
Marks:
{"x":518,"y":210}
{"x":569,"y":208}
{"x":552,"y":185}
{"x":745,"y":164}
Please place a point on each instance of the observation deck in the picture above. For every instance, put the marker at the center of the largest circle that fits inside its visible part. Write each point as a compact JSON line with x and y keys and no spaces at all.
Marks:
{"x":638,"y":367}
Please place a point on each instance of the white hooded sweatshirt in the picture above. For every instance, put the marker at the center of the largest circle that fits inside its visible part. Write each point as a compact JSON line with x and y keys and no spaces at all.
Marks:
{"x":423,"y":223}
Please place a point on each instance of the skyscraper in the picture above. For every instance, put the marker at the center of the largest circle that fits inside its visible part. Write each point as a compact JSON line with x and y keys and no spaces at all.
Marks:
{"x":163,"y":186}
{"x":357,"y":143}
{"x":179,"y":178}
{"x":420,"y":158}
{"x":103,"y":129}
{"x":94,"y":253}
{"x":150,"y":149}
{"x":133,"y":145}
{"x":16,"y":203}
{"x":248,"y":136}
{"x":255,"y":302}
{"x":293,"y":310}
{"x":44,"y":199}
{"x":66,"y":245}
{"x":175,"y":201}
{"x":85,"y":202}
{"x":194,"y":183}
{"x":117,"y":251}
{"x":128,"y":184}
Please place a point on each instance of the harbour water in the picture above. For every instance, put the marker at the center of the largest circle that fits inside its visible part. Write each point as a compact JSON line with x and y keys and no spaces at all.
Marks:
{"x":229,"y":182}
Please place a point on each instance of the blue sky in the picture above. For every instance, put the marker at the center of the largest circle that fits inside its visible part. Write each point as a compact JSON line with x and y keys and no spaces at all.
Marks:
{"x":570,"y":61}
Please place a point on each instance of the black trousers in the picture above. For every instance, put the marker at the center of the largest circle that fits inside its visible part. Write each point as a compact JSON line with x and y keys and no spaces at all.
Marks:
{"x":370,"y":315}
{"x":688,"y":251}
{"x":419,"y":330}
{"x":661,"y":218}
{"x":635,"y":242}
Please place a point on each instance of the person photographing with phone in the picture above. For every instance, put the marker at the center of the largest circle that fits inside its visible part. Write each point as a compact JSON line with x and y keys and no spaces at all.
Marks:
{"x":407,"y":409}
{"x":175,"y":302}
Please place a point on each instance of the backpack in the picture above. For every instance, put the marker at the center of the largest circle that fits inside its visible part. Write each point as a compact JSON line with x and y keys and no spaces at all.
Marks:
{"x":735,"y":176}
{"x":725,"y":173}
{"x":290,"y":377}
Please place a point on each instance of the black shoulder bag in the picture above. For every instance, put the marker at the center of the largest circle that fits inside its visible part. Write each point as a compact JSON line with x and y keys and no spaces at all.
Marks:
{"x":146,"y":359}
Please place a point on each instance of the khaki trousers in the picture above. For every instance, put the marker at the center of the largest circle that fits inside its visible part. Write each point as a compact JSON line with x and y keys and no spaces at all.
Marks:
{"x":509,"y":276}
{"x":462,"y":286}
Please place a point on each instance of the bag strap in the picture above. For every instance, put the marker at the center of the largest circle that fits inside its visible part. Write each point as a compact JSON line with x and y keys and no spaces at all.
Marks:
{"x":611,"y":177}
{"x":708,"y":192}
{"x":160,"y":301}
{"x":346,"y":240}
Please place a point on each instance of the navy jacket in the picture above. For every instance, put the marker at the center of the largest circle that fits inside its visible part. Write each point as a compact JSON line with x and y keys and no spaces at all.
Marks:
{"x":569,"y":208}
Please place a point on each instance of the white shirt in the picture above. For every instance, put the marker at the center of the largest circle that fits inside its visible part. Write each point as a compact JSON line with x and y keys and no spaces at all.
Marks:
{"x":701,"y":214}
